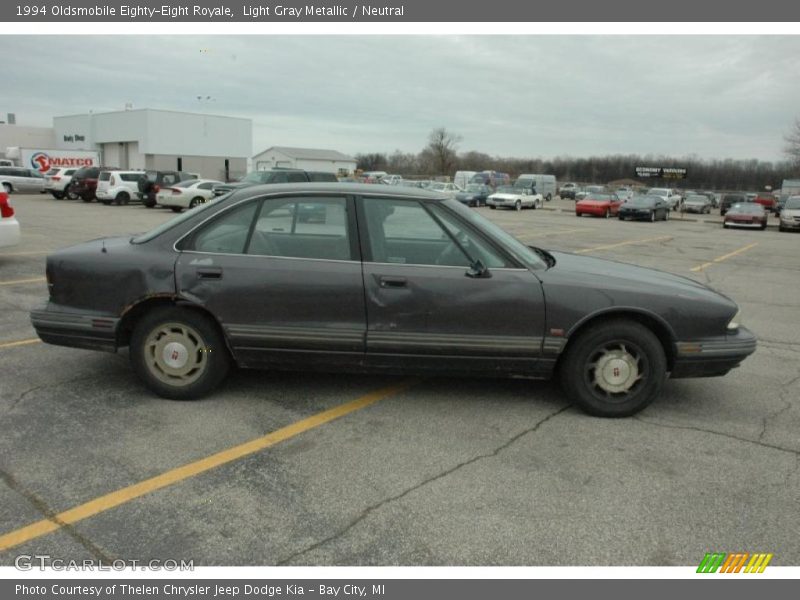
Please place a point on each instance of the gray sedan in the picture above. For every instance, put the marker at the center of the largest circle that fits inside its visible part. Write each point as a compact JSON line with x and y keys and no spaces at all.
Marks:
{"x":382,"y":278}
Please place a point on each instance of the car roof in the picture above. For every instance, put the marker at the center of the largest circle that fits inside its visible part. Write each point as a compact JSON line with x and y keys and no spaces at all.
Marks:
{"x":334,"y":187}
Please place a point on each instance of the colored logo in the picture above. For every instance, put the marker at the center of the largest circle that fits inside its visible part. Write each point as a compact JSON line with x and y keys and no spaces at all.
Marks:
{"x":41,"y":162}
{"x":734,"y":562}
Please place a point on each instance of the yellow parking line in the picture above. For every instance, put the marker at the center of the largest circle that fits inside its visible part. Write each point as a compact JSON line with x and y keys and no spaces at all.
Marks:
{"x":173,"y":476}
{"x":32,"y":253}
{"x":558,"y":232}
{"x":20,"y":281}
{"x":20,"y":343}
{"x":724,"y":257}
{"x":662,"y":238}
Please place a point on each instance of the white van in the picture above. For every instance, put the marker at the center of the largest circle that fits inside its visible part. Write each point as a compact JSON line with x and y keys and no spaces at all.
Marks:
{"x":461,"y":178}
{"x":545,"y":185}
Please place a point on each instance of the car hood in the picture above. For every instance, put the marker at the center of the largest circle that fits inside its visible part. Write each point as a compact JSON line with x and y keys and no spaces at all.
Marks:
{"x":504,"y":196}
{"x":611,"y":274}
{"x":594,"y":202}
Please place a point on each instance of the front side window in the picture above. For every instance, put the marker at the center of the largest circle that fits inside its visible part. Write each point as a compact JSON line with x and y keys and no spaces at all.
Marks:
{"x":406,"y":232}
{"x":312,"y":228}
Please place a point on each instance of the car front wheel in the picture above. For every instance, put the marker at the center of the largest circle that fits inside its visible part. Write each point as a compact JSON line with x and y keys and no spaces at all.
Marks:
{"x":178,"y":353}
{"x":518,"y":205}
{"x":614,"y":369}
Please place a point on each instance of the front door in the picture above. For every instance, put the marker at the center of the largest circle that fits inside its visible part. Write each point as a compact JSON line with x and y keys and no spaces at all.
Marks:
{"x":428,"y":306}
{"x":283,"y":277}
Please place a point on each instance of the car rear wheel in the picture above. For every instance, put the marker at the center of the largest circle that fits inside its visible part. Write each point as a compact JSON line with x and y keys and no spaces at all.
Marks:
{"x":122,"y":198}
{"x":7,"y":188}
{"x":518,"y":205}
{"x":614,"y":369}
{"x":178,"y":353}
{"x":195,"y":202}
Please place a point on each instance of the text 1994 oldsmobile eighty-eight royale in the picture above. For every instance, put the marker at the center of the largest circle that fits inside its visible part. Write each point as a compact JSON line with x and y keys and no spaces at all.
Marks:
{"x":352,"y":277}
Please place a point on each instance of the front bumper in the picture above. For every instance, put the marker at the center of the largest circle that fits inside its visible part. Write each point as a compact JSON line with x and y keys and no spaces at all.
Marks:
{"x":75,"y":329}
{"x":713,"y":357}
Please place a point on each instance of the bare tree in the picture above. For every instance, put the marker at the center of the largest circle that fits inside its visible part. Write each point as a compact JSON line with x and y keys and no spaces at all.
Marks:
{"x":792,"y":148}
{"x":441,"y":150}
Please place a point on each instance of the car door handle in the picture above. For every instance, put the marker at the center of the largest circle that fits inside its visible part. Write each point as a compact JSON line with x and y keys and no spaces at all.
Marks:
{"x":393,"y":282}
{"x":209,"y":273}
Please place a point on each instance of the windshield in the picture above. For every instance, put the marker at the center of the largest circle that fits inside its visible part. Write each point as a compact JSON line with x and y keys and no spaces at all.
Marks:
{"x":512,"y":245}
{"x":658,"y":192}
{"x":646,"y":201}
{"x":598,"y":197}
{"x":748,"y":207}
{"x":474,"y":187}
{"x":696,"y":200}
{"x":793,"y":203}
{"x":154,"y":233}
{"x":437,"y":187}
{"x":506,"y":189}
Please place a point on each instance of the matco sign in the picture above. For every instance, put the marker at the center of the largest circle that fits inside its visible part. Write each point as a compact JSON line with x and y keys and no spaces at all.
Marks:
{"x":44,"y":160}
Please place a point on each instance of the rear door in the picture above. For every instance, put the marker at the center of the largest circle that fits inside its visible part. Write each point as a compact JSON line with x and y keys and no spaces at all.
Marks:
{"x":282,"y":275}
{"x":425,"y":311}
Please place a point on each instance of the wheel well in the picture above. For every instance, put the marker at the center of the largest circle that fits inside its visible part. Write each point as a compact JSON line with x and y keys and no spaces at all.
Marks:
{"x":8,"y":185}
{"x":132,"y":316}
{"x":658,"y":328}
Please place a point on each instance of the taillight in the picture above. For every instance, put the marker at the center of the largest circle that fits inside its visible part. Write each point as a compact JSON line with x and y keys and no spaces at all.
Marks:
{"x":175,"y":191}
{"x":55,"y":178}
{"x":156,"y":188}
{"x":6,"y":210}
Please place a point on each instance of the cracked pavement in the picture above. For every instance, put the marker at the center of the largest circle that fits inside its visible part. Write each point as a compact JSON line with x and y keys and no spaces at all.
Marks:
{"x":452,"y":471}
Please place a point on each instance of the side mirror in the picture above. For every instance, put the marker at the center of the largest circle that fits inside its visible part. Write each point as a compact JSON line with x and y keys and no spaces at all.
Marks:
{"x":478,"y":270}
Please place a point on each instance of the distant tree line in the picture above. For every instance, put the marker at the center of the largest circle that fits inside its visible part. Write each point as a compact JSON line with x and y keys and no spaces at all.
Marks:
{"x":441,"y":158}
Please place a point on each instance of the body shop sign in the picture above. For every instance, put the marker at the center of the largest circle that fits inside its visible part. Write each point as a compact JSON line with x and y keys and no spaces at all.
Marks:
{"x":661,"y":172}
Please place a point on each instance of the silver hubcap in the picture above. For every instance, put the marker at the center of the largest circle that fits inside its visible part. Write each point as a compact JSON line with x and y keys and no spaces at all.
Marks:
{"x":615,"y":369}
{"x":176,"y":354}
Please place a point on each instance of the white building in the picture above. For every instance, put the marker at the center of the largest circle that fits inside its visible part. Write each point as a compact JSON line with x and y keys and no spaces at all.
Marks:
{"x":217,"y":147}
{"x":310,"y":159}
{"x":20,"y":136}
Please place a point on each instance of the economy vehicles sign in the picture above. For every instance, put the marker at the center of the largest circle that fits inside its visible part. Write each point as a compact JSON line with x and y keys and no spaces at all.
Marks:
{"x":44,"y":160}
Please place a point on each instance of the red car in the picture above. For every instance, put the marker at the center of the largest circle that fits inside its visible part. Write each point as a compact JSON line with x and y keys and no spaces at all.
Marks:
{"x":766,"y":200}
{"x":746,"y":214}
{"x":599,"y":205}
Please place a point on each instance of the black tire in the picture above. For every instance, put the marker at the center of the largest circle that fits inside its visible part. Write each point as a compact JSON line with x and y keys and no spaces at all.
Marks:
{"x":87,"y":198}
{"x":492,"y":206}
{"x":70,"y":195}
{"x":106,"y":202}
{"x":627,"y":349}
{"x":781,"y":227}
{"x":57,"y":195}
{"x":518,"y":205}
{"x":122,"y":198}
{"x":148,"y":203}
{"x":620,"y":217}
{"x":763,"y":227}
{"x":176,"y":209}
{"x":549,"y":197}
{"x":7,"y":188}
{"x":206,"y":359}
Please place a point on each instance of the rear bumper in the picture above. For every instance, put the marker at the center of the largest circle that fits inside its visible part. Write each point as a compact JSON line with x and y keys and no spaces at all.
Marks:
{"x":75,"y":329}
{"x":713,"y":357}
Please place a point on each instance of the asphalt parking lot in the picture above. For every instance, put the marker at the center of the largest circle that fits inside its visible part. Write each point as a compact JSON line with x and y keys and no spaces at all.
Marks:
{"x":309,"y":469}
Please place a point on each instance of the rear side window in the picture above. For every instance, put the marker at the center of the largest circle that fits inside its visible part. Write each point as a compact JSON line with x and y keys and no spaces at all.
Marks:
{"x":105,"y":176}
{"x":130,"y":176}
{"x":226,"y":234}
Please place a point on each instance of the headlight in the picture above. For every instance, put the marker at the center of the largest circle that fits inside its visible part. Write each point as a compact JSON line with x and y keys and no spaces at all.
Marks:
{"x":733,"y":325}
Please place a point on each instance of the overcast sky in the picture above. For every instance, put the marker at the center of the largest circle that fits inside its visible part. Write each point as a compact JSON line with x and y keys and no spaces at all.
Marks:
{"x":723,"y":96}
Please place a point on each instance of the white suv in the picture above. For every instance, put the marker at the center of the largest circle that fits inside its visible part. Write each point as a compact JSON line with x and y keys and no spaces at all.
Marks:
{"x":118,"y":186}
{"x":56,"y":181}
